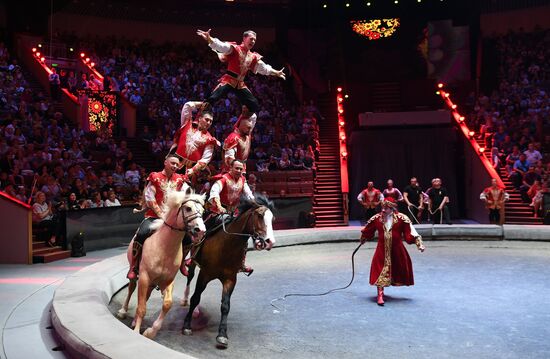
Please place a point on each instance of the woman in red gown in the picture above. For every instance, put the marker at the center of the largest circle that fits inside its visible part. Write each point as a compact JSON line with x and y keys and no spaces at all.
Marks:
{"x":391,"y":264}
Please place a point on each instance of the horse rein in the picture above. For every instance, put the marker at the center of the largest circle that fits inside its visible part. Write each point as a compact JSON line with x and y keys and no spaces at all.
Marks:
{"x":186,"y":220}
{"x":255,"y":236}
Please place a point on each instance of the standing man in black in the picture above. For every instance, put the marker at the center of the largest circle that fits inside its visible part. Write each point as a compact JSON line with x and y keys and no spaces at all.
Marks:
{"x":412,"y":195}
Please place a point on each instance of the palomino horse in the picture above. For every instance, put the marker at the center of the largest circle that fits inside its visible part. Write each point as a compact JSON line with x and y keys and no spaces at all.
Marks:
{"x":162,"y":254}
{"x":222,"y":254}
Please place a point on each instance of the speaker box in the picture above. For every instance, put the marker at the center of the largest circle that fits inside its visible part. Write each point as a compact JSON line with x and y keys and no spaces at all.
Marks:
{"x":77,"y":246}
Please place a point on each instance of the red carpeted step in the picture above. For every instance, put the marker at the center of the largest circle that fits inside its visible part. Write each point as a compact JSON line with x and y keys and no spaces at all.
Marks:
{"x":51,"y":257}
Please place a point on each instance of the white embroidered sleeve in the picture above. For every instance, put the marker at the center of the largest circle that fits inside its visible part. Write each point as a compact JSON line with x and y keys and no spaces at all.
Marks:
{"x":220,"y":46}
{"x":263,"y":69}
{"x":247,"y":193}
{"x":149,"y":193}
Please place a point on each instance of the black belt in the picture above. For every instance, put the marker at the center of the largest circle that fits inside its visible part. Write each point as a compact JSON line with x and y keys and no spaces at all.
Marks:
{"x":232,"y":74}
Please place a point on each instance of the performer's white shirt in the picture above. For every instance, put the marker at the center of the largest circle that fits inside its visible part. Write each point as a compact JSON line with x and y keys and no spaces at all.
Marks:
{"x":231,"y":153}
{"x":225,"y":48}
{"x":217,"y":188}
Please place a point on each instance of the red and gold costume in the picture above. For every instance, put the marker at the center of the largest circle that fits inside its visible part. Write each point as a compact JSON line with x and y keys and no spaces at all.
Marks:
{"x":157,"y":186}
{"x":237,"y":145}
{"x":226,"y":192}
{"x":391,"y":264}
{"x":370,"y":198}
{"x":193,"y":146}
{"x":494,"y":197}
{"x":239,"y":61}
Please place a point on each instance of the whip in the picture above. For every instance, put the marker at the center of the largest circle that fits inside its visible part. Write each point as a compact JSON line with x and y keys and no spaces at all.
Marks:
{"x":325,"y":293}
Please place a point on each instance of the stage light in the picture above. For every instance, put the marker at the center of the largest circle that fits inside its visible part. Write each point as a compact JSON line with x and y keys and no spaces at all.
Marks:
{"x":34,"y":49}
{"x":71,"y":49}
{"x":461,"y":118}
{"x":447,"y":94}
{"x":39,"y":45}
{"x":437,"y":93}
{"x":339,"y":89}
{"x":87,"y":60}
{"x":481,"y":150}
{"x":342,"y":123}
{"x":38,"y":54}
{"x":440,"y":85}
{"x":341,"y":111}
{"x":453,"y":106}
{"x":344,"y":154}
{"x":368,"y":4}
{"x":92,"y":64}
{"x":418,"y":0}
{"x":343,"y":137}
{"x":324,"y":6}
{"x":42,"y":59}
{"x":340,"y":99}
{"x":346,"y":96}
{"x":347,"y":4}
{"x":471,"y":134}
{"x":396,"y":2}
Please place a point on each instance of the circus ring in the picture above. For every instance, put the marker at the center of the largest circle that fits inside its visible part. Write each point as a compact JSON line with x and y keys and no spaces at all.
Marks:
{"x":480,"y":290}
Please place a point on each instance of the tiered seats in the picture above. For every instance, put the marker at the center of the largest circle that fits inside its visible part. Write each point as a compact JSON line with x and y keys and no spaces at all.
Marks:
{"x":294,"y":183}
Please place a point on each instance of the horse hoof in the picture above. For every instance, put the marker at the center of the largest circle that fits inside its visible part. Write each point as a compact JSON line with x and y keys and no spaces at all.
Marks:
{"x":184,"y":302}
{"x":148,"y":333}
{"x":186,"y":331}
{"x":121,"y":314}
{"x":223,"y":342}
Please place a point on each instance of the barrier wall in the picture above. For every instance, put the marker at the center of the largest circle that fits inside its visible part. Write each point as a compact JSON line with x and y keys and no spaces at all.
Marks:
{"x":16,"y":235}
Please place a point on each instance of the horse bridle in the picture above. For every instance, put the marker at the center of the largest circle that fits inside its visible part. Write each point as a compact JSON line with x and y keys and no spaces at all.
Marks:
{"x":255,"y":235}
{"x":186,"y":220}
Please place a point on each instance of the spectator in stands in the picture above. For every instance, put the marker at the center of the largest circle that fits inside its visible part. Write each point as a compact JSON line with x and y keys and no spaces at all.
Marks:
{"x":43,"y":218}
{"x":520,"y":168}
{"x":55,"y":85}
{"x":284,"y":163}
{"x":511,"y":159}
{"x":538,"y":199}
{"x":530,"y":178}
{"x":132,"y":175}
{"x":96,"y":201}
{"x":72,"y":82}
{"x":112,"y":201}
{"x":72,"y":202}
{"x":531,"y":154}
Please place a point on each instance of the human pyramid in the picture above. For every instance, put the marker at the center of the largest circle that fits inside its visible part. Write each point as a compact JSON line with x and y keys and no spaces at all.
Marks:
{"x":194,"y":146}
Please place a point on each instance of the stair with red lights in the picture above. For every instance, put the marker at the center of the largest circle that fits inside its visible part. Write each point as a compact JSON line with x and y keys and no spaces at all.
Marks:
{"x":516,"y":211}
{"x":328,"y":203}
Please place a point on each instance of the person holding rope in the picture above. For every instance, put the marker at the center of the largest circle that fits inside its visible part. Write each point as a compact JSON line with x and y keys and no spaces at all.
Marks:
{"x":412,"y":195}
{"x":438,"y":199}
{"x":370,"y":199}
{"x":391,"y":264}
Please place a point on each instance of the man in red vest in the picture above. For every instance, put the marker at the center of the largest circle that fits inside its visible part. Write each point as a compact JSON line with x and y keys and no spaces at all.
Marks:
{"x":494,"y":198}
{"x":240,"y":59}
{"x":238,"y":144}
{"x":158,"y":183}
{"x":193,"y":144}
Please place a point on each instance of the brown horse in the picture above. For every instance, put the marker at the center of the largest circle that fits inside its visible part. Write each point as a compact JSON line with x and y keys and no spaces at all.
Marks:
{"x":162,"y":254}
{"x":222,"y":254}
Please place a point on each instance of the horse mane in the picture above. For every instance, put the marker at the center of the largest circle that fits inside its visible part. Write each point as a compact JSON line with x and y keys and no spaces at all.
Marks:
{"x":260,"y":200}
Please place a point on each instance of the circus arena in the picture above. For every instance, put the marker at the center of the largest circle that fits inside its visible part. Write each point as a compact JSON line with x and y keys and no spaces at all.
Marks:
{"x":274,"y":179}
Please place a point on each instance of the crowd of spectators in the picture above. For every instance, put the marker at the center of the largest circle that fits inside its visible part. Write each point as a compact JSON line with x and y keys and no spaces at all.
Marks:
{"x":514,"y":119}
{"x":41,"y":151}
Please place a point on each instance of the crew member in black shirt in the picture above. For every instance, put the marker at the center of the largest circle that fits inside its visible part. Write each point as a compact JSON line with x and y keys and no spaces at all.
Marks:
{"x":437,"y":204}
{"x":412,"y":194}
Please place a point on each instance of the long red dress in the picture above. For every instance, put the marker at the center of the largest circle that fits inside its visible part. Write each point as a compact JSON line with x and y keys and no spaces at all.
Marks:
{"x":391,"y":264}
